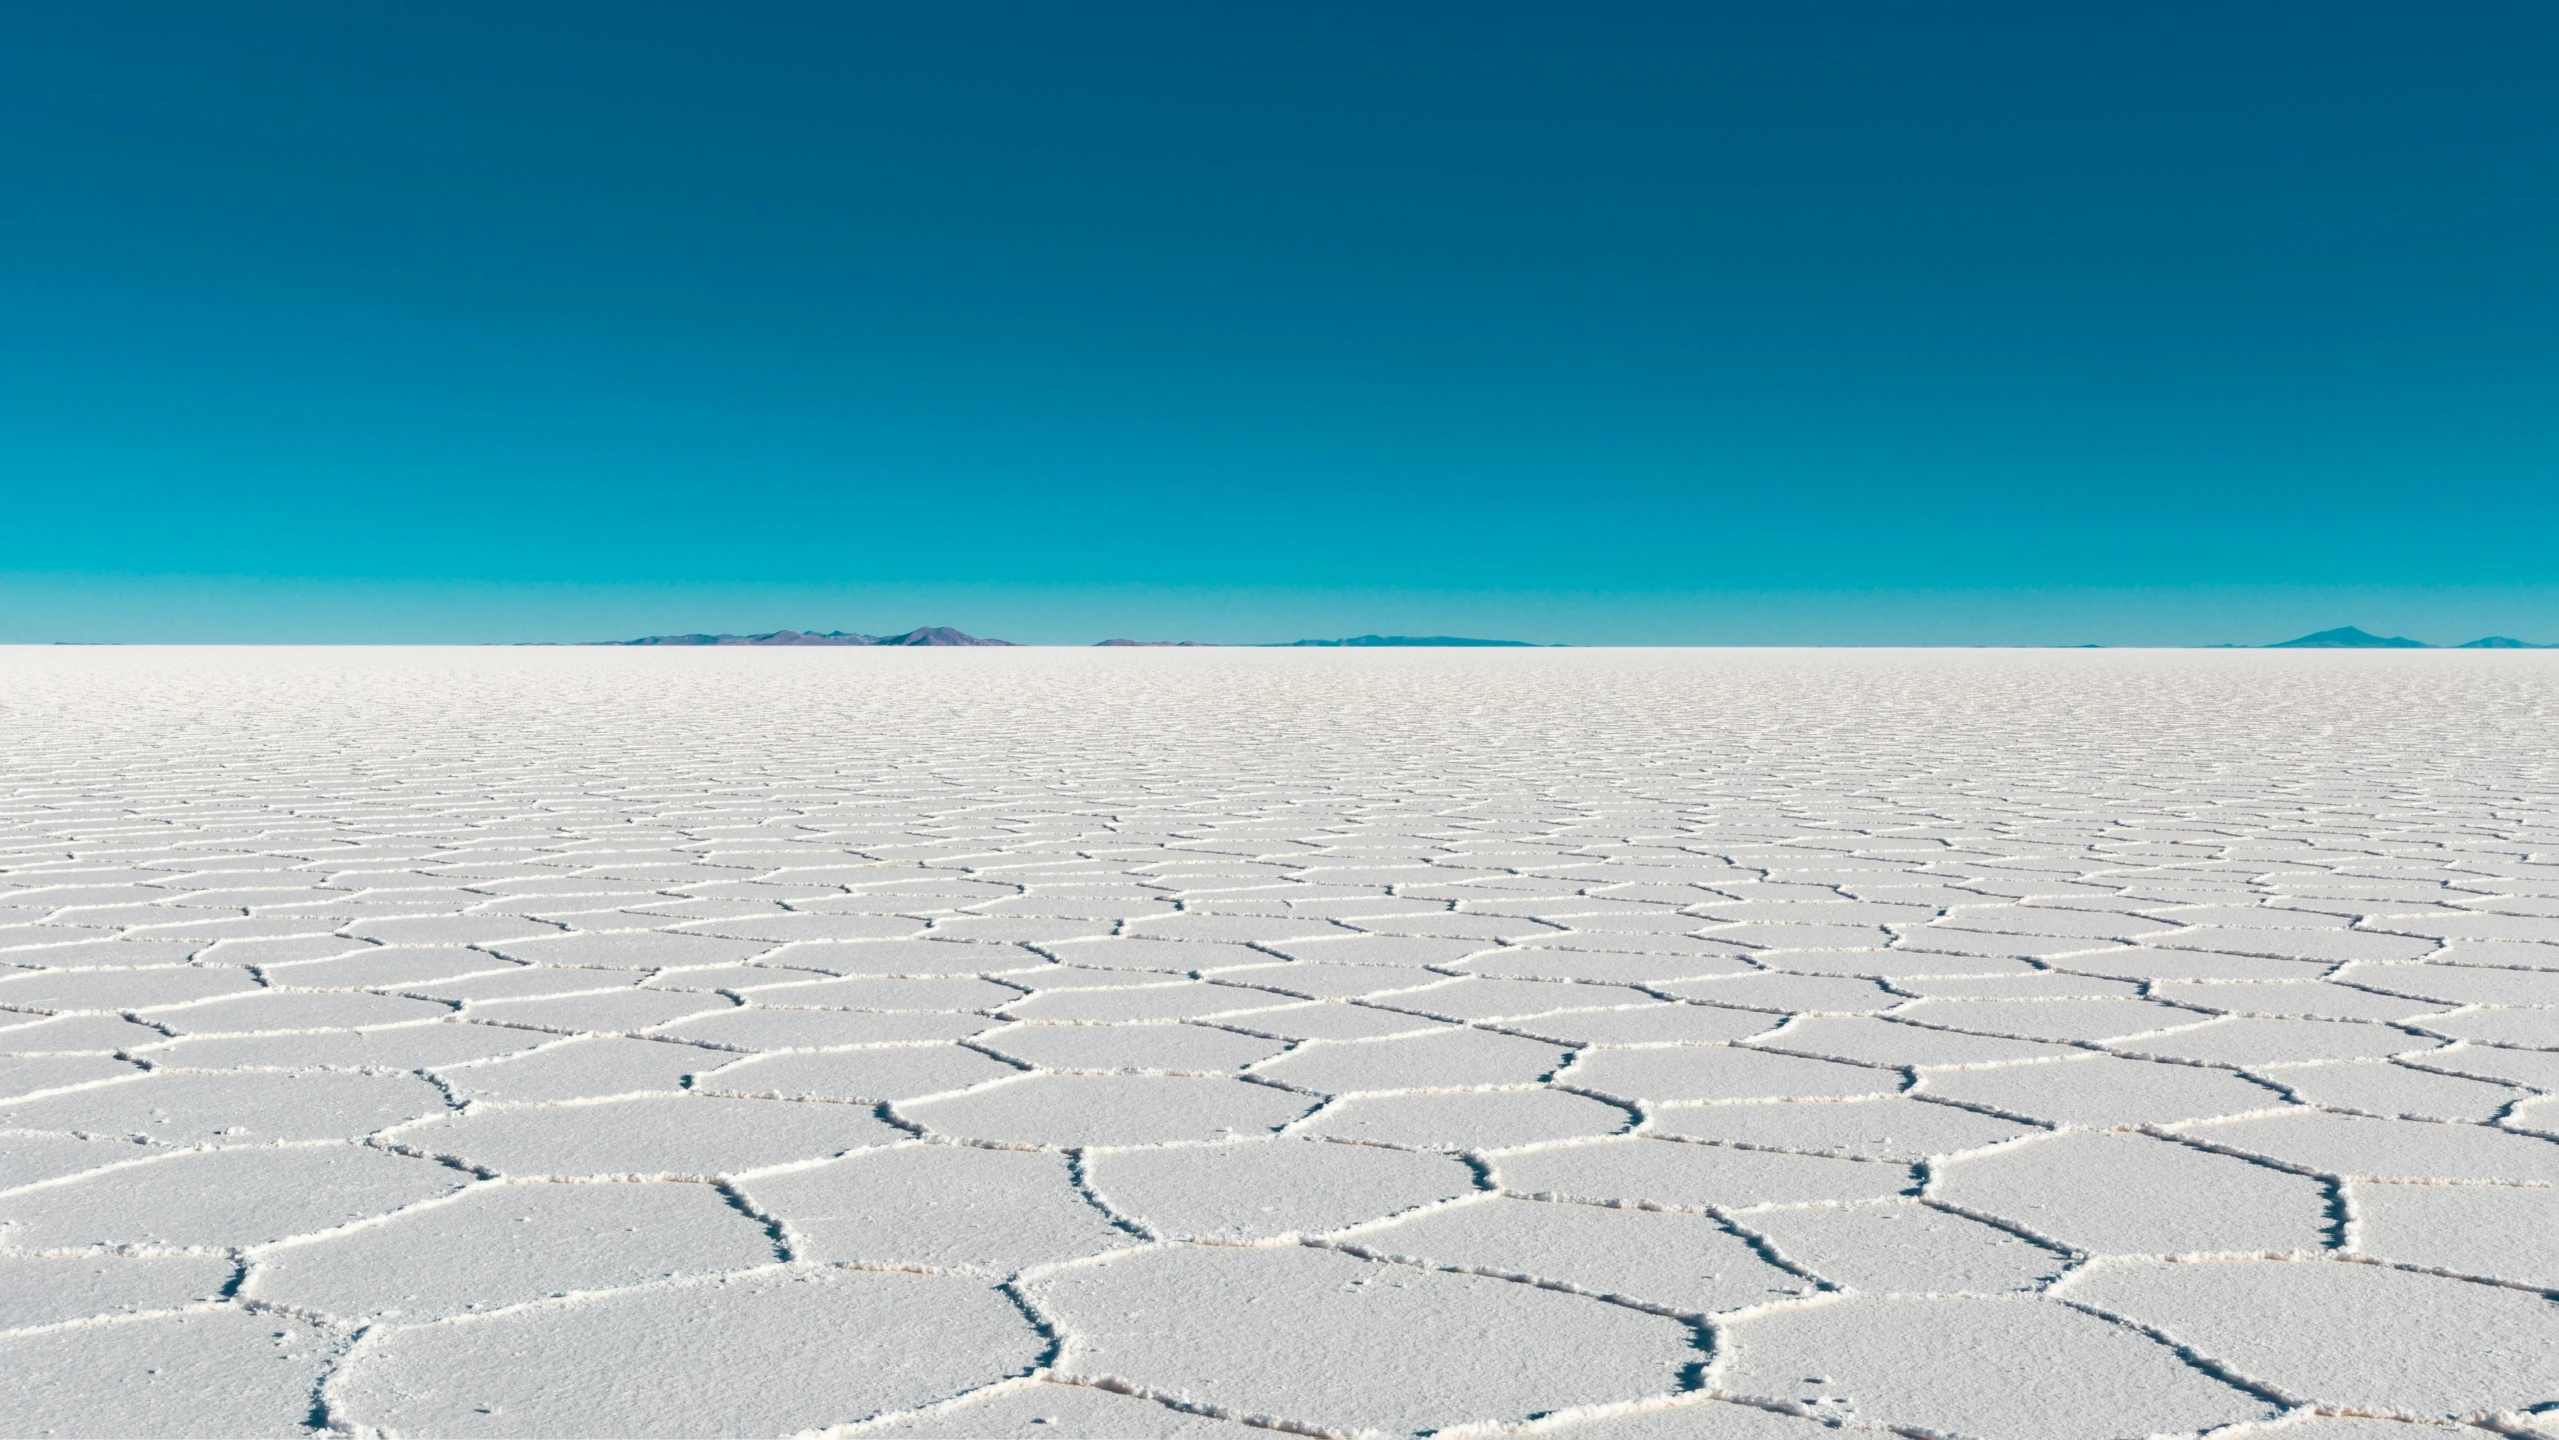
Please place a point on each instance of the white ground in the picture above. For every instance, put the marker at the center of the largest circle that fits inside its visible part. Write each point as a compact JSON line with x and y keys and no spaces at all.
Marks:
{"x":1625,"y":1044}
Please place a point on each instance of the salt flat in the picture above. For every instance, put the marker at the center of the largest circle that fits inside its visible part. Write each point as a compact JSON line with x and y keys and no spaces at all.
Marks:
{"x":1608,"y":1043}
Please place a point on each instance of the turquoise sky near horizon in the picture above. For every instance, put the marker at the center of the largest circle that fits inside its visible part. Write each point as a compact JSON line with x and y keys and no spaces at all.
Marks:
{"x":1634,"y":323}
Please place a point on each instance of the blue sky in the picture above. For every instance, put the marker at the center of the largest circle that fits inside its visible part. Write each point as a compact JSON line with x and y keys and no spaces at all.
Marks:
{"x":1637,"y":323}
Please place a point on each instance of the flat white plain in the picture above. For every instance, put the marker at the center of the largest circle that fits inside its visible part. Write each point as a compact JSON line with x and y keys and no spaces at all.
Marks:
{"x":1043,"y":1042}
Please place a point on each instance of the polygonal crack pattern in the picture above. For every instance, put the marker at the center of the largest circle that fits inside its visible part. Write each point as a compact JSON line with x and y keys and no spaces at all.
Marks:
{"x":1030,"y":1042}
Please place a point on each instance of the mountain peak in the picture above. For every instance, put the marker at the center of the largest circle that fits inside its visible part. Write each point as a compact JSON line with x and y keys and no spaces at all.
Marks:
{"x":934,"y":635}
{"x":2348,"y":637}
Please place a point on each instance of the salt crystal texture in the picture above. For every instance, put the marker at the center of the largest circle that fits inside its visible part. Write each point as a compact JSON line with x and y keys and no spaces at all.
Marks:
{"x":1617,"y":1044}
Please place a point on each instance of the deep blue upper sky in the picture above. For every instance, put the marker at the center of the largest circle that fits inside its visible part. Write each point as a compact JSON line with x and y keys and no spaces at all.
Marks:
{"x":1625,"y":301}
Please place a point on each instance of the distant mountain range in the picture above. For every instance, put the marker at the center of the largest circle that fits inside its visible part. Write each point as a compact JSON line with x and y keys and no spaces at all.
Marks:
{"x":1364,"y":640}
{"x":2344,"y":637}
{"x":926,"y":635}
{"x":945,"y":635}
{"x":2347,"y":637}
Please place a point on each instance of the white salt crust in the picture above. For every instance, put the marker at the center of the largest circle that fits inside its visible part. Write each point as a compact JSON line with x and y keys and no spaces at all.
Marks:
{"x":1615,"y":1044}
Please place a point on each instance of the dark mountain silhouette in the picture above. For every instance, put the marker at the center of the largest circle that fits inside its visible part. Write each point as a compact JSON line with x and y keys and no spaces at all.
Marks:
{"x":926,"y":635}
{"x":934,"y":635}
{"x":2502,"y":642}
{"x":1149,"y":644}
{"x":2347,"y":637}
{"x":1365,"y":640}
